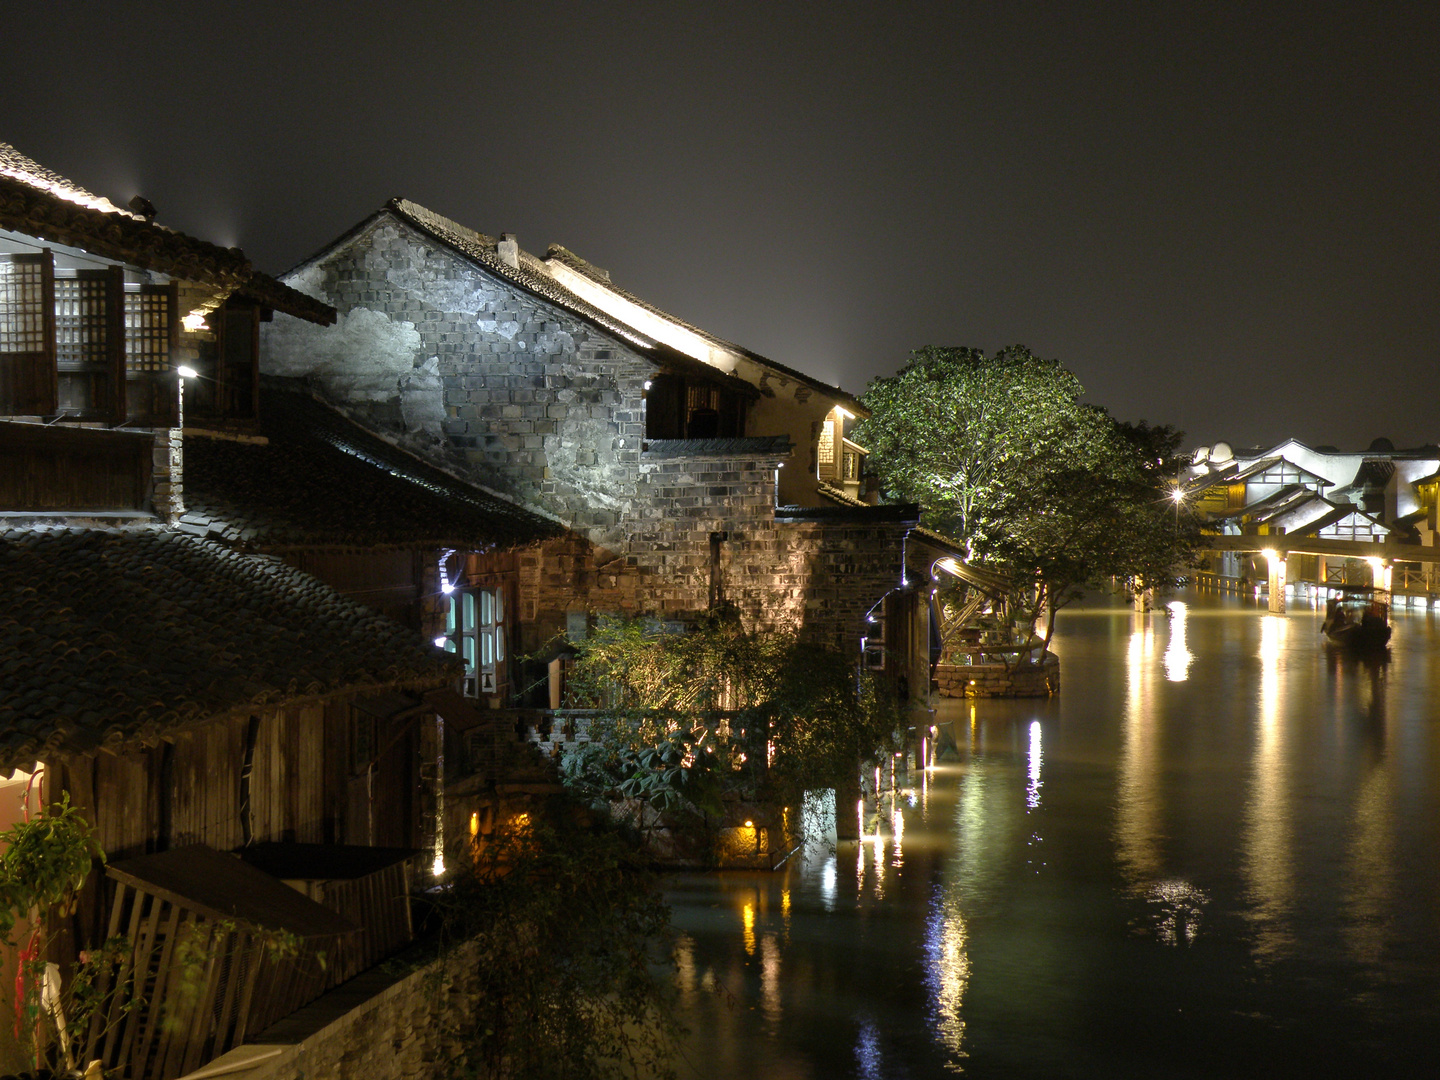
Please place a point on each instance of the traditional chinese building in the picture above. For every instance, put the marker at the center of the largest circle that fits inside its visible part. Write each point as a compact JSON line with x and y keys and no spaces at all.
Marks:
{"x":694,"y":473}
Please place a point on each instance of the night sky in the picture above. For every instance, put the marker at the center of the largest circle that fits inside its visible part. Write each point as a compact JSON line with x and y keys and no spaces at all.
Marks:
{"x":1221,"y":216}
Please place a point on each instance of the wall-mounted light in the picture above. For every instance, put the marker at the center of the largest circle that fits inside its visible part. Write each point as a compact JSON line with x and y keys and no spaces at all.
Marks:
{"x":187,"y":372}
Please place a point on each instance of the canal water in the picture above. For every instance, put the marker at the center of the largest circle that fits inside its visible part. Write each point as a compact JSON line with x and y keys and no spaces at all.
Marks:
{"x":1216,"y":853}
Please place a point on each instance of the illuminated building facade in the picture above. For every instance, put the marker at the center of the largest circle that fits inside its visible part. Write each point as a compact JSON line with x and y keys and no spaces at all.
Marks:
{"x":693,"y":473}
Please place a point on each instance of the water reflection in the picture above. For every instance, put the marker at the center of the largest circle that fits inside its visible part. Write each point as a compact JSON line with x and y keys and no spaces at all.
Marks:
{"x":869,"y":1062}
{"x":1174,"y":907}
{"x":1137,"y":825}
{"x":1248,"y":884}
{"x":1267,"y":843}
{"x":1177,"y":910}
{"x":1370,"y":868}
{"x":1177,"y":653}
{"x":947,"y":974}
{"x":1032,"y":790}
{"x":770,"y":978}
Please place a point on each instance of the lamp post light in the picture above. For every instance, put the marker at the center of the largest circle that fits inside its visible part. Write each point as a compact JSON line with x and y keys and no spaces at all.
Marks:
{"x":1177,"y":497}
{"x":177,"y":445}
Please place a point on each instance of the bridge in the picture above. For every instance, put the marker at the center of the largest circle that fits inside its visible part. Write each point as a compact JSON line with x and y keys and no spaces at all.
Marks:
{"x":1381,"y":555}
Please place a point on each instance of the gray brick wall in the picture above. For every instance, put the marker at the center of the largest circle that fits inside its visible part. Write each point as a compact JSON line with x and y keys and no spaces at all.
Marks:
{"x":520,"y":396}
{"x":502,"y":387}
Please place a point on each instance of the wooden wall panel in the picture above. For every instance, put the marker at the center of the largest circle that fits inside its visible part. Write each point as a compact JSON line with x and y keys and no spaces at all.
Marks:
{"x":122,"y":804}
{"x":205,"y":796}
{"x":310,"y":826}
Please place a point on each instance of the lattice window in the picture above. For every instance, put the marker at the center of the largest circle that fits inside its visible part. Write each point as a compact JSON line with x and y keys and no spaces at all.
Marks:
{"x":80,"y":321}
{"x":22,"y":306}
{"x":475,"y":630}
{"x":82,"y":343}
{"x":147,"y":331}
{"x":827,"y":442}
{"x":702,"y":397}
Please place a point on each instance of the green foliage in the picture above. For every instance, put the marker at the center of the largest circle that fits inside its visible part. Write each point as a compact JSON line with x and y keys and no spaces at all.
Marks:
{"x":950,"y":429}
{"x":195,"y":946}
{"x":45,"y":862}
{"x":1002,"y":454}
{"x":572,"y":974}
{"x":692,"y":717}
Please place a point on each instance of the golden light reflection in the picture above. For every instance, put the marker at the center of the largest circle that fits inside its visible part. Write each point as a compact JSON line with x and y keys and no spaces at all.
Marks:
{"x":748,"y":915}
{"x":1370,"y":869}
{"x":785,"y":907}
{"x":770,"y":978}
{"x":685,"y":963}
{"x":1137,"y":816}
{"x":877,"y":843}
{"x":897,"y":829}
{"x":1267,"y":844}
{"x":1177,"y":911}
{"x":947,"y":975}
{"x":1177,"y":654}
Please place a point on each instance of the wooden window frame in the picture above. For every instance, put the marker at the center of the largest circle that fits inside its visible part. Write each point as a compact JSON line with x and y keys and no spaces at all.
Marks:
{"x":477,"y":630}
{"x":28,"y":385}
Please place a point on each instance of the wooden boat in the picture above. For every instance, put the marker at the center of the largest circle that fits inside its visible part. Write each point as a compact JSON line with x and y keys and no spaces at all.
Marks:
{"x":1359,"y":618}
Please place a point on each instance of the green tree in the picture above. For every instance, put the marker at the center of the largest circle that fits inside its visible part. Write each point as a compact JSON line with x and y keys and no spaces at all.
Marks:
{"x":689,"y":718}
{"x":1002,"y":454}
{"x":954,"y":430}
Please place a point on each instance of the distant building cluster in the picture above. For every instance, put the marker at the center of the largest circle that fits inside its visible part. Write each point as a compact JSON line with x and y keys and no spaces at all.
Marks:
{"x":1342,"y":517}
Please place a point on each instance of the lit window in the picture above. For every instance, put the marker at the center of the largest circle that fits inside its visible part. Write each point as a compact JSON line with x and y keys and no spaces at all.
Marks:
{"x":475,"y":631}
{"x":827,"y":443}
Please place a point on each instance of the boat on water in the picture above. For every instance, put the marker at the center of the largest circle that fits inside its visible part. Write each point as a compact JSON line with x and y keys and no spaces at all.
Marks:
{"x":1359,"y":618}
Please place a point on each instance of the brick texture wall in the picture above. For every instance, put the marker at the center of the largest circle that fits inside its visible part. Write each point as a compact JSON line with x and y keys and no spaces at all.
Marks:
{"x":520,"y":396}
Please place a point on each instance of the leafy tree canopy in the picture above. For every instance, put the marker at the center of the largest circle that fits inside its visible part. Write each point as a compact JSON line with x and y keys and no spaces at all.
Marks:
{"x":688,"y":718}
{"x":1001,"y":453}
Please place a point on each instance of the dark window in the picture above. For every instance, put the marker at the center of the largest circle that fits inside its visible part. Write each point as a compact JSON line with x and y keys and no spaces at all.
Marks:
{"x":681,"y":408}
{"x":228,"y":364}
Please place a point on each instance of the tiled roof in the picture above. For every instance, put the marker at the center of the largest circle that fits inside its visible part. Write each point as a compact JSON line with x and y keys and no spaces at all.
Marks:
{"x":530,"y":274}
{"x":747,"y":446}
{"x":1340,"y":513}
{"x":939,"y":540}
{"x":39,"y":203}
{"x":19,"y":167}
{"x":602,"y":277}
{"x":320,"y":480}
{"x":111,"y":638}
{"x":1373,"y":473}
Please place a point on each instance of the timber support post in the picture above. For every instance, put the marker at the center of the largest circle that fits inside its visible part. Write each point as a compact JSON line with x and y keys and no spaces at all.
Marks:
{"x":1276,"y":561}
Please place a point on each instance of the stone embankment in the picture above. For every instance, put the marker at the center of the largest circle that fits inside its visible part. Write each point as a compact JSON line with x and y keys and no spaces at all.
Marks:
{"x":994,"y":680}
